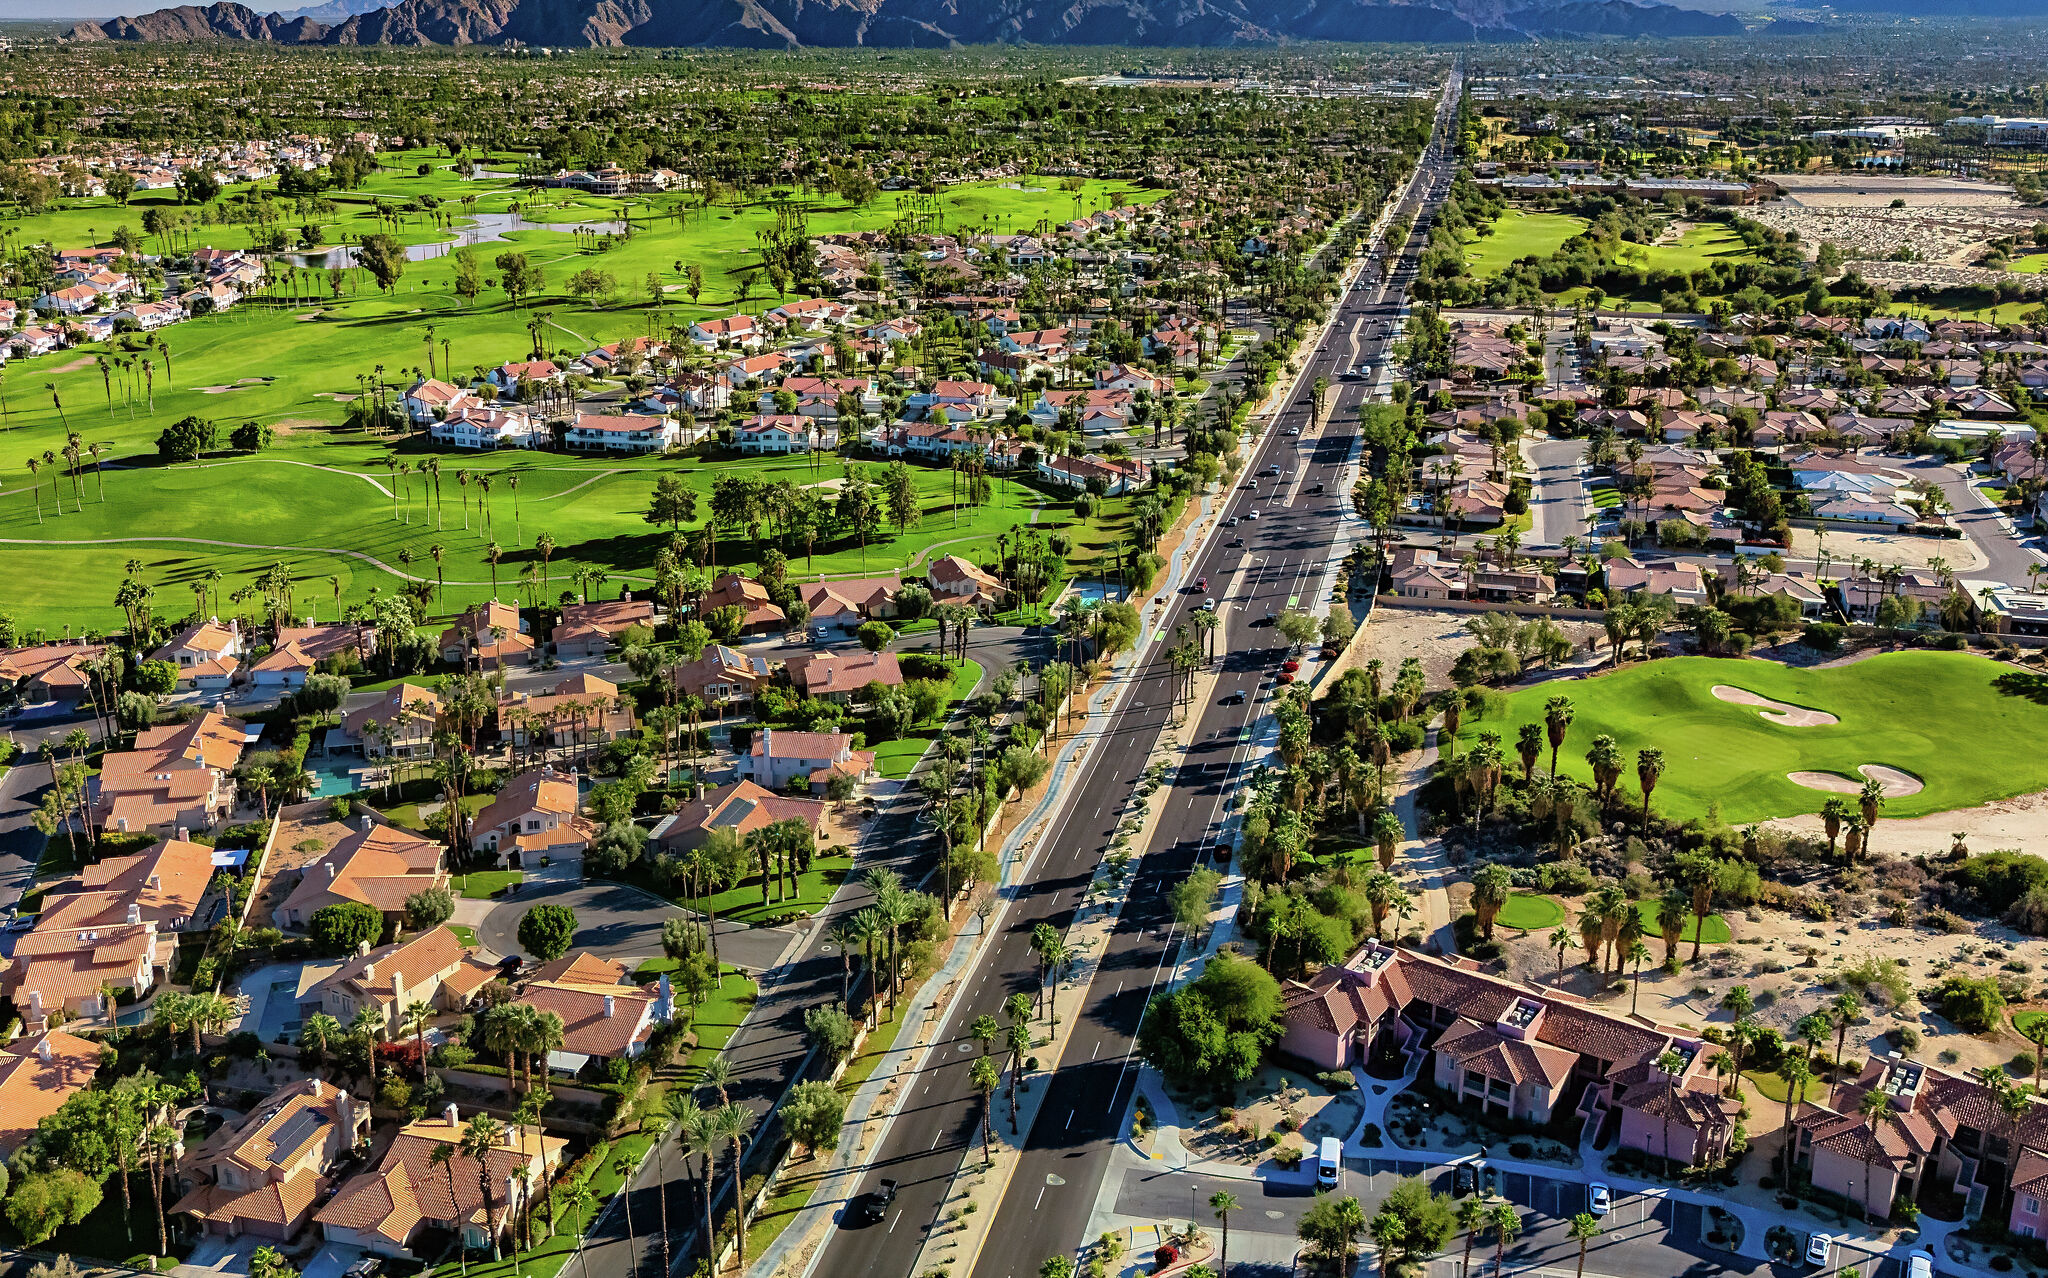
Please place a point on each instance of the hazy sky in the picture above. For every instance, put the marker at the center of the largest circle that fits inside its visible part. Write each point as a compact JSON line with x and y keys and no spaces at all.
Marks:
{"x":72,"y":9}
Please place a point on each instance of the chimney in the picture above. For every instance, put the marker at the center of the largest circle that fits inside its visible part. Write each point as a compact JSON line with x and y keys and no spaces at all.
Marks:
{"x":369,"y":971}
{"x":397,"y":986}
{"x":319,"y":1088}
{"x":134,"y":913}
{"x":121,"y":824}
{"x":184,"y":835}
{"x":44,"y":1052}
{"x":511,"y":1183}
{"x":611,"y":1007}
{"x":156,"y":881}
{"x":452,"y":1115}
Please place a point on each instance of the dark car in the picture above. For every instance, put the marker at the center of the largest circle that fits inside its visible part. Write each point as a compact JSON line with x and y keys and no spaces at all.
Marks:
{"x":1221,"y":852}
{"x":1234,"y":541}
{"x":508,"y":967}
{"x":1231,"y":699}
{"x":1463,"y":1181}
{"x":1318,"y":490}
{"x":875,"y":1207}
{"x":367,"y":1267}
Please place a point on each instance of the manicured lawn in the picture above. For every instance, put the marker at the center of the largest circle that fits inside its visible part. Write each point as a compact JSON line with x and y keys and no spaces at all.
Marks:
{"x":2022,"y":1021}
{"x":320,"y":499}
{"x":1519,"y":234}
{"x":718,"y":1018}
{"x":2031,"y":264}
{"x":408,"y":814}
{"x":895,"y":759}
{"x":1904,"y":710}
{"x":482,"y":885}
{"x":1530,"y":912}
{"x":814,"y":887}
{"x":1701,"y":246}
{"x":1712,"y":930}
{"x":466,"y":935}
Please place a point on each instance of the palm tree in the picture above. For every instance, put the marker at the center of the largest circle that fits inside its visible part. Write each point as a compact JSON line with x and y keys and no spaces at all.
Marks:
{"x":718,"y":1077}
{"x":1490,"y":888}
{"x":1649,"y":767}
{"x":1223,"y":1202}
{"x":479,"y":1138}
{"x":1832,"y":814}
{"x":1796,"y":1072}
{"x":623,"y":1165}
{"x":1873,"y":1106}
{"x":985,"y":1030}
{"x":1507,"y":1223}
{"x":1674,"y":908}
{"x":1561,"y":941}
{"x":444,"y":1158}
{"x":986,"y":1077}
{"x":704,"y":1138}
{"x":417,"y":1016}
{"x":1638,"y":954}
{"x":1671,"y":1065}
{"x":1584,"y":1228}
{"x":1387,"y":834}
{"x":1557,"y":720}
{"x":1869,"y":800}
{"x":1844,"y":1010}
{"x":733,"y":1122}
{"x":1473,"y":1215}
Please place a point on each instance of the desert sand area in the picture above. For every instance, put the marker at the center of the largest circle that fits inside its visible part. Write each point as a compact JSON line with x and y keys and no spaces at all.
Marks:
{"x":1947,"y":223}
{"x":2019,"y":822}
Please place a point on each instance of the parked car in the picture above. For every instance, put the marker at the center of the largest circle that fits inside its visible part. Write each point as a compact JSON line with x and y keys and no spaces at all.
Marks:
{"x":1818,"y":1249}
{"x":367,"y":1267}
{"x":1599,"y":1201}
{"x":1920,"y":1264}
{"x":875,"y":1207}
{"x":1463,"y":1180}
{"x":1489,"y":1179}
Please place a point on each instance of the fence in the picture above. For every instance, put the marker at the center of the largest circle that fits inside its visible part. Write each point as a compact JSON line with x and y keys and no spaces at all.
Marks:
{"x":1481,"y":605}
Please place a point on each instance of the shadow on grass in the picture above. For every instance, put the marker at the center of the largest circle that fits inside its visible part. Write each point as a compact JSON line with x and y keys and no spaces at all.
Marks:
{"x":2023,"y":683}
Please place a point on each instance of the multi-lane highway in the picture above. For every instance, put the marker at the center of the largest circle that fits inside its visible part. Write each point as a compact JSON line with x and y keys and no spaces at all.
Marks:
{"x":1279,"y":560}
{"x":1282,"y":563}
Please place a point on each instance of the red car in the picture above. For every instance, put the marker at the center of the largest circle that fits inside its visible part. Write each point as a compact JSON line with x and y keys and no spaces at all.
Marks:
{"x":1290,"y":665}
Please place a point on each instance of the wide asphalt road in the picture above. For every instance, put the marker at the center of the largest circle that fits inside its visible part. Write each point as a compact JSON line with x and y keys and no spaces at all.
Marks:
{"x":1054,"y":1189}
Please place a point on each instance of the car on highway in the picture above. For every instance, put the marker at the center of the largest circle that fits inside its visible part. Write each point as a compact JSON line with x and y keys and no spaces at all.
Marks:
{"x":1201,"y":585}
{"x":875,"y":1207}
{"x":1208,"y":605}
{"x":1318,"y":490}
{"x":1234,"y":541}
{"x":1230,"y":522}
{"x":1599,"y":1201}
{"x":1231,"y":699}
{"x":1251,"y":514}
{"x":1292,"y":431}
{"x":1273,"y":470}
{"x":1818,"y":1249}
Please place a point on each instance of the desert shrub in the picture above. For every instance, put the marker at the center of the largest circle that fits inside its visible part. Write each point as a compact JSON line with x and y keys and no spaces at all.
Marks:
{"x":1997,"y":881}
{"x":1886,"y":976}
{"x":1567,"y":878}
{"x":1907,"y":1037}
{"x":1975,"y":1006}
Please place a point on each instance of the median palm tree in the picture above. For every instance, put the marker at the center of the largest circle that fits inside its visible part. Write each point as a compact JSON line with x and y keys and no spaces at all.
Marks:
{"x":1223,"y":1202}
{"x":1507,"y":1224}
{"x":732,"y":1123}
{"x":1584,"y":1228}
{"x":1473,"y":1215}
{"x":986,"y":1078}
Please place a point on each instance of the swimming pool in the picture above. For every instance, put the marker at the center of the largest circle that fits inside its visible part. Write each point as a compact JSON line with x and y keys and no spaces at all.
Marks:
{"x":333,"y":777}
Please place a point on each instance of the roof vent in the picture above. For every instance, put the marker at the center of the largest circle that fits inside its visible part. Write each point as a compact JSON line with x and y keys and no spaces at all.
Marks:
{"x":44,"y":1052}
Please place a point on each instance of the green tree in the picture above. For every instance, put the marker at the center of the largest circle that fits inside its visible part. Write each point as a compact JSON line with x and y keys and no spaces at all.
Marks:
{"x":1333,"y":1227}
{"x":185,"y":439}
{"x":546,"y":931}
{"x":345,"y":927}
{"x":813,"y":1113}
{"x":429,"y":908}
{"x":45,"y":1202}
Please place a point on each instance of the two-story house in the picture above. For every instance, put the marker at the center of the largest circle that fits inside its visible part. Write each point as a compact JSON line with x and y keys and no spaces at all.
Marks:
{"x":537,"y":813}
{"x":262,"y":1175}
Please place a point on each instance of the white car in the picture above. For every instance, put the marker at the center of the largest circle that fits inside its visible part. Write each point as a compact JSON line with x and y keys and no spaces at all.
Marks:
{"x":1599,"y":1201}
{"x":1208,"y":605}
{"x":1818,"y":1248}
{"x":1920,"y":1264}
{"x":1251,"y":514}
{"x":1294,"y":430}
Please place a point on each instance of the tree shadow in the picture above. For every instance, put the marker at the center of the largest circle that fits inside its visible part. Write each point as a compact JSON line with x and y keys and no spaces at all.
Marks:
{"x":2023,"y":683}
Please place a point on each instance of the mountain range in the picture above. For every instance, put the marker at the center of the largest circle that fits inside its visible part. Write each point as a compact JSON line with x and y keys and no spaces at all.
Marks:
{"x":914,"y":23}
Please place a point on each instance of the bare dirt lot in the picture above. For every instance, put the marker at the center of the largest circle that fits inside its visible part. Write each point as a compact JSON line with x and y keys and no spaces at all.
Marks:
{"x":1945,"y":222}
{"x":1435,"y":637}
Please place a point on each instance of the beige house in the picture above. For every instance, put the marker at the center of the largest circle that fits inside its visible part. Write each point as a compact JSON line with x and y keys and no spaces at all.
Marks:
{"x":206,"y":653}
{"x":176,"y":777}
{"x":378,"y":866}
{"x":399,"y":726}
{"x":261,"y":1175}
{"x":536,"y":814}
{"x":491,"y":634}
{"x":387,"y":1208}
{"x":589,"y":630}
{"x":426,"y":968}
{"x":579,"y":711}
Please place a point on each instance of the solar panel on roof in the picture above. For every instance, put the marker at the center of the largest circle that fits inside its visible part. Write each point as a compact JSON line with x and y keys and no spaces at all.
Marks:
{"x":296,"y":1132}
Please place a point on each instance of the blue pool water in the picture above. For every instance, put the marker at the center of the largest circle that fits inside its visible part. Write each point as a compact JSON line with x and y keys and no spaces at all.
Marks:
{"x":332,"y":777}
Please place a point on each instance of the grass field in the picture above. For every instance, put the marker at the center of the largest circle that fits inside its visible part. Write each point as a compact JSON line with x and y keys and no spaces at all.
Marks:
{"x":1701,"y":246}
{"x":482,"y":885}
{"x":293,"y":359}
{"x":1516,"y":235}
{"x":1530,"y":912}
{"x":1905,"y":710}
{"x":1712,"y":930}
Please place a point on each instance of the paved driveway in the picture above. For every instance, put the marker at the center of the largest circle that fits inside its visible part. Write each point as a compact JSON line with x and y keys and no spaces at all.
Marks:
{"x":1557,"y":496}
{"x":620,"y":922}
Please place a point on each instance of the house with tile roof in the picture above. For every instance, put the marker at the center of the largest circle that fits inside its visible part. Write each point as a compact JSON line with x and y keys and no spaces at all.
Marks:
{"x":581,"y":710}
{"x":588,"y":630}
{"x":261,"y":1175}
{"x":723,"y":676}
{"x":840,"y":677}
{"x":421,"y":968}
{"x":50,"y":672}
{"x":389,"y":1208}
{"x":537,"y":813}
{"x":777,"y":757}
{"x":164,"y":884}
{"x":378,"y":866}
{"x":845,"y":605}
{"x":299,"y":650}
{"x":741,"y":807}
{"x":71,"y":969}
{"x":959,"y":581}
{"x":399,"y":725}
{"x":38,"y":1073}
{"x":761,"y":614}
{"x":604,"y":1017}
{"x":177,"y":776}
{"x":491,"y":634}
{"x":206,"y":653}
{"x":1526,"y":1054}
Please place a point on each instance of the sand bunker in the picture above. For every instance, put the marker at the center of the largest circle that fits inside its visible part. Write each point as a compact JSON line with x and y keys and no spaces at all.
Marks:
{"x":1896,"y":784}
{"x":1780,"y":713}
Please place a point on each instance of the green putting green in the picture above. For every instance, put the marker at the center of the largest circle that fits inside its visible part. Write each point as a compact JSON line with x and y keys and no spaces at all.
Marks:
{"x":1912,"y":711}
{"x":2022,"y":1021}
{"x":1713,"y":930}
{"x":1530,"y":912}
